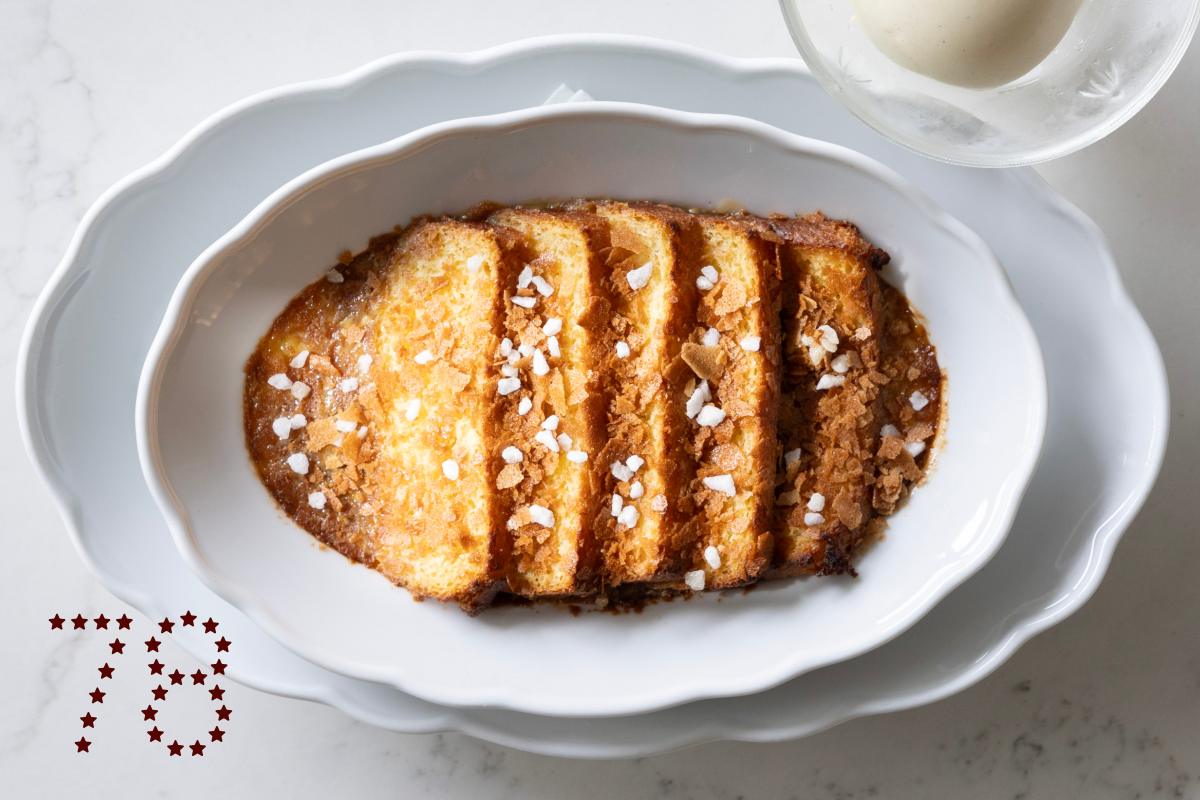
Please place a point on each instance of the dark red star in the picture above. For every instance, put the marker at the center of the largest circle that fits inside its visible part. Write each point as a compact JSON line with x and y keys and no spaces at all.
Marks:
{"x":101,"y":622}
{"x":123,"y":622}
{"x":223,"y":712}
{"x":218,"y":668}
{"x":166,"y":626}
{"x":155,"y":735}
{"x":82,"y":745}
{"x":117,"y":646}
{"x":106,"y":671}
{"x":156,"y":668}
{"x":198,"y":677}
{"x":223,"y":645}
{"x":216,"y":734}
{"x":210,"y":626}
{"x":176,"y":677}
{"x":97,"y":696}
{"x":160,"y":693}
{"x":176,"y":748}
{"x":197,"y":748}
{"x":217,"y":692}
{"x":79,"y":621}
{"x":188,"y":618}
{"x":56,"y":622}
{"x":152,"y":645}
{"x":88,"y":720}
{"x":148,"y":713}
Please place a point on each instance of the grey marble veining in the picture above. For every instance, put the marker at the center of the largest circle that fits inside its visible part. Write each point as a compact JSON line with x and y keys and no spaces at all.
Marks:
{"x":1106,"y":705}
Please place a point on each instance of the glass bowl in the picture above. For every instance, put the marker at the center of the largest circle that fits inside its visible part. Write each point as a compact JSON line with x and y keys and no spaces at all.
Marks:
{"x":1113,"y":58}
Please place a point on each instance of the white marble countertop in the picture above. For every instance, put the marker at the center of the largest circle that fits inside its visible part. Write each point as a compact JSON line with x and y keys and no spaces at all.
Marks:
{"x":1106,"y":705}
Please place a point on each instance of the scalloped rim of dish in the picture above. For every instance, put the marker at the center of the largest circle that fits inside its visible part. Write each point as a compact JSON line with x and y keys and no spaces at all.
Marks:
{"x":500,"y":696}
{"x":806,"y":46}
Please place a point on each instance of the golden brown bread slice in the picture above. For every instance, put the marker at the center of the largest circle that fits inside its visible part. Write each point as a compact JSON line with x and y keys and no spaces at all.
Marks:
{"x":553,"y":401}
{"x":732,"y":401}
{"x":830,"y":414}
{"x":649,"y":525}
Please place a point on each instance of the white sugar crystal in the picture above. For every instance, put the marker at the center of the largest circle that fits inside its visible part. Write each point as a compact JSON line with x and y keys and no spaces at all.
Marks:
{"x":712,"y":557}
{"x":635,"y":462}
{"x":541,"y":515}
{"x":450,"y":469}
{"x":364,"y":362}
{"x":813,"y":518}
{"x":829,"y":338}
{"x":282,"y":427}
{"x":512,"y":455}
{"x":791,"y":456}
{"x":703,"y":284}
{"x":508,"y":385}
{"x":710,"y":416}
{"x":298,"y":421}
{"x":617,"y":504}
{"x":552,"y":326}
{"x":474,"y":263}
{"x":280,"y":381}
{"x":889,"y":430}
{"x":694,"y":580}
{"x":298,"y":462}
{"x":505,"y":347}
{"x":710,"y":272}
{"x":564,"y":441}
{"x":628,"y":516}
{"x":807,"y":340}
{"x":552,"y":346}
{"x":551,"y":422}
{"x":712,"y":338}
{"x":841,"y":364}
{"x":414,"y":408}
{"x":508,"y":370}
{"x":525,"y":350}
{"x":636,"y":490}
{"x":621,"y":472}
{"x":721,"y":483}
{"x":524,"y":278}
{"x":659,"y":503}
{"x":639,"y":277}
{"x":698,"y":399}
{"x":300,"y":390}
{"x":513,"y":357}
{"x":525,"y":302}
{"x":333,"y":276}
{"x":348,"y":385}
{"x":345,"y":426}
{"x":362,"y":432}
{"x":317,"y":500}
{"x":540,"y":367}
{"x":525,"y":404}
{"x":543,"y":288}
{"x":829,"y":381}
{"x":424,"y":357}
{"x":918,"y":401}
{"x":816,"y":502}
{"x":622,"y":350}
{"x":915,"y":448}
{"x":816,"y":354}
{"x":299,"y":361}
{"x":547,"y":438}
{"x":751,"y":343}
{"x":577,"y":456}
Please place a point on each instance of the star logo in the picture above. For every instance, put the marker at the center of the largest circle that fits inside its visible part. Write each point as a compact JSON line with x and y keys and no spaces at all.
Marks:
{"x":217,"y":692}
{"x":197,"y":677}
{"x":223,"y":713}
{"x":88,"y":720}
{"x":166,"y":626}
{"x":197,"y":748}
{"x":218,"y":668}
{"x":176,"y":677}
{"x":156,"y":668}
{"x":188,"y":618}
{"x":106,"y":671}
{"x":80,"y":622}
{"x":56,"y":622}
{"x":97,"y":696}
{"x":217,"y":734}
{"x":210,"y":626}
{"x":123,"y":622}
{"x":223,"y":645}
{"x":160,"y":693}
{"x":176,"y":748}
{"x":101,"y":622}
{"x":155,"y":734}
{"x":152,"y":645}
{"x":148,"y":713}
{"x":117,"y":647}
{"x":82,"y":745}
